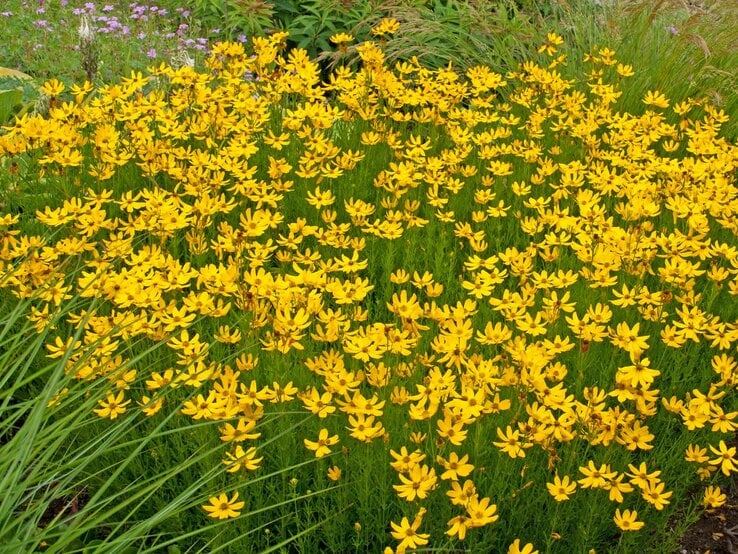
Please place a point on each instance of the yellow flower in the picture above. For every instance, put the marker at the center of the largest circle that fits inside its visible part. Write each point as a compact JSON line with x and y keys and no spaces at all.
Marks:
{"x":453,"y":431}
{"x":725,"y":458}
{"x":321,"y":446}
{"x":239,"y":433}
{"x":654,"y":494}
{"x":405,"y":460}
{"x":455,"y":467}
{"x":459,"y":525}
{"x":112,"y":406}
{"x":510,"y":443}
{"x":319,"y":404}
{"x":561,"y":489}
{"x":696,"y":454}
{"x":655,"y":98}
{"x":418,"y":483}
{"x":341,"y":38}
{"x":241,"y":458}
{"x":221,"y":507}
{"x":625,"y":70}
{"x":387,"y":26}
{"x":713,"y":497}
{"x":481,"y":512}
{"x":627,"y":520}
{"x":640,"y":477}
{"x":407,"y":533}
{"x":54,"y":87}
{"x":594,"y":477}
{"x":515,"y":548}
{"x":149,"y":406}
{"x":554,"y":38}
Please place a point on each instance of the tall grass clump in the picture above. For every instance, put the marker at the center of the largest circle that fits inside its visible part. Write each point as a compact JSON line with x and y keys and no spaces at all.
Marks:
{"x":72,"y":484}
{"x":681,"y":48}
{"x":396,"y":308}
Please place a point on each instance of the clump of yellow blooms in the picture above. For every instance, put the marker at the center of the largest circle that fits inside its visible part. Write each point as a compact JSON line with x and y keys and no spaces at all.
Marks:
{"x":249,"y":224}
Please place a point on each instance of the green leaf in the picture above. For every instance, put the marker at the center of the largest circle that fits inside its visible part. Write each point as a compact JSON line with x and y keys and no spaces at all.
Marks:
{"x":323,"y":45}
{"x":92,"y":546}
{"x":7,"y":72}
{"x":9,"y":99}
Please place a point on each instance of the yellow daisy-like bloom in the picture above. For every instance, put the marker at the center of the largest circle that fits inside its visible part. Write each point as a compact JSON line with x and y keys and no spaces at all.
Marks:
{"x":516,"y":548}
{"x":655,"y":98}
{"x":726,"y":459}
{"x":221,"y":507}
{"x":54,"y":87}
{"x":321,"y":446}
{"x":112,"y":406}
{"x":627,"y":520}
{"x":561,"y":489}
{"x":341,"y":38}
{"x":407,"y":532}
{"x":713,"y":497}
{"x":388,"y":26}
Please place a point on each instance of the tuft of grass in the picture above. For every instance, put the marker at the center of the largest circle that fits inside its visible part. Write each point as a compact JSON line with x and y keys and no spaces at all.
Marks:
{"x":680,"y":47}
{"x":73,"y":483}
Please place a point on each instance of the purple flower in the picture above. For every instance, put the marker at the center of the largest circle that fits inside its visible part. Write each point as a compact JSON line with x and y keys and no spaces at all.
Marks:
{"x":90,"y":6}
{"x":6,"y":14}
{"x":672,"y":30}
{"x":108,"y":8}
{"x":41,"y":10}
{"x":141,"y":36}
{"x":64,"y":3}
{"x":151,"y":53}
{"x":41,"y":24}
{"x":242,"y":38}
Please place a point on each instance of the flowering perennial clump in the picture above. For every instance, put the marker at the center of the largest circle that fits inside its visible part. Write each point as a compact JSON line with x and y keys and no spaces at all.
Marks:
{"x":242,"y":220}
